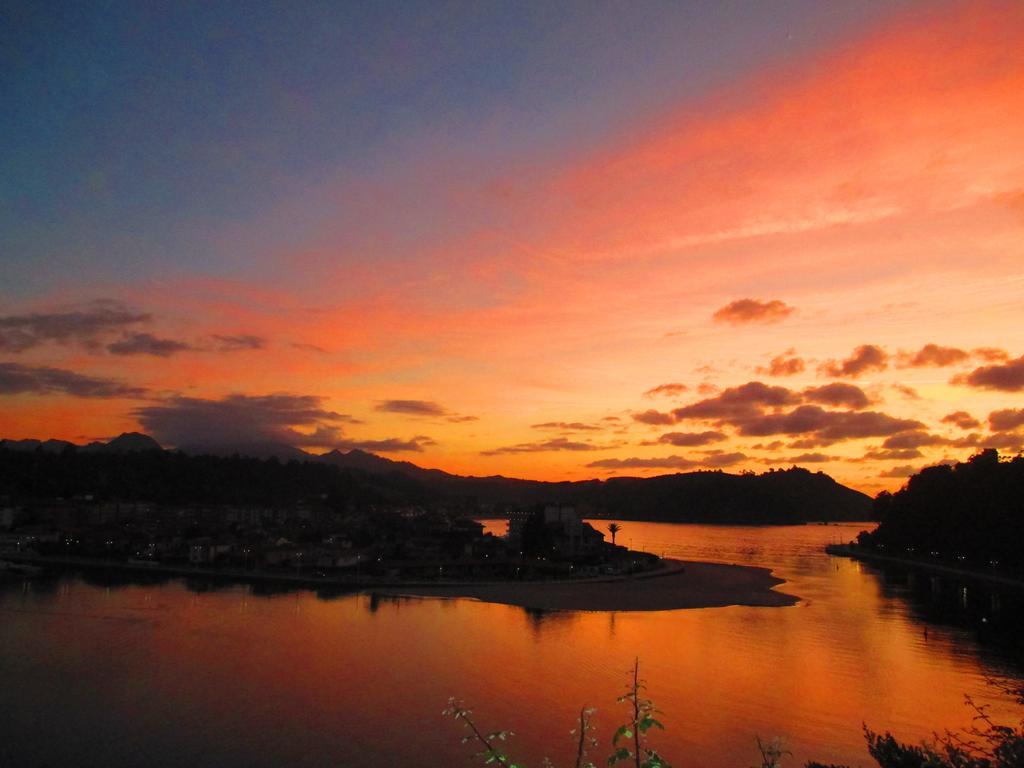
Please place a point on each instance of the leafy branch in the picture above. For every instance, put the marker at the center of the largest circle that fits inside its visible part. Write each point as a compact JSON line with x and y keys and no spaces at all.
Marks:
{"x":489,"y":751}
{"x":643,"y":711}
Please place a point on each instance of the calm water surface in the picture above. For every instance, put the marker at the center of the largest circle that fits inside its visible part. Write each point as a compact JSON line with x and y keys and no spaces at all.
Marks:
{"x":172,"y":674}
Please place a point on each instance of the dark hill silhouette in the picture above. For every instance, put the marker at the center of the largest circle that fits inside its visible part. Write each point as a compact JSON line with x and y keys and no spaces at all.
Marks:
{"x":781,"y":496}
{"x":378,"y":465}
{"x":778,"y":496}
{"x":127,"y":442}
{"x":123,"y":443}
{"x":794,"y":495}
{"x":52,"y":446}
{"x":254,"y":450}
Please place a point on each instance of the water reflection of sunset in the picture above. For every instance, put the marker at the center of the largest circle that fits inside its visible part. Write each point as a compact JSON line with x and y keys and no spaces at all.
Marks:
{"x":234,"y":678}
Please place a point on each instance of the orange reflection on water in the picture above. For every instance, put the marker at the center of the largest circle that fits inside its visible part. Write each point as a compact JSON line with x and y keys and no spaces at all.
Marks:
{"x":162,"y":675}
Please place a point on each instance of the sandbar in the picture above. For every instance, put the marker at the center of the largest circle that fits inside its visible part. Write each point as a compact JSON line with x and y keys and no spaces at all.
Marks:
{"x":677,"y":585}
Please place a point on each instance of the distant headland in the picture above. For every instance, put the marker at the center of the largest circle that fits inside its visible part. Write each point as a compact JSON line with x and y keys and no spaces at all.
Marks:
{"x":965,"y":518}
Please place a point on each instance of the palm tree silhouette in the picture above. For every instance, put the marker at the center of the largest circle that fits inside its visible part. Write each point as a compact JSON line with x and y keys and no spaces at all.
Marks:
{"x":614,"y":528}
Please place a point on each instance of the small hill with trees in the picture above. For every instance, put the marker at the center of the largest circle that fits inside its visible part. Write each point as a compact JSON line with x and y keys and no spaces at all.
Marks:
{"x":972,"y":512}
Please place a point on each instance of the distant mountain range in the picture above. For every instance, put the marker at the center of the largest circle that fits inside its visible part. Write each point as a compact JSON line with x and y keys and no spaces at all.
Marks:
{"x":779,"y":496}
{"x":126,"y":442}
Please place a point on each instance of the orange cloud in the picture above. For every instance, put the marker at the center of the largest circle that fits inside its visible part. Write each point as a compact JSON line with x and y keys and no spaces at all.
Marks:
{"x":753,"y":311}
{"x":867,"y":357}
{"x":783,"y":365}
{"x":1008,"y":377}
{"x":667,"y":390}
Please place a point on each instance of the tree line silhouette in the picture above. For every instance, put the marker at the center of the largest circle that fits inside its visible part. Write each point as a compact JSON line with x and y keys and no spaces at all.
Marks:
{"x":789,"y":496}
{"x":168,"y":477}
{"x":972,"y":512}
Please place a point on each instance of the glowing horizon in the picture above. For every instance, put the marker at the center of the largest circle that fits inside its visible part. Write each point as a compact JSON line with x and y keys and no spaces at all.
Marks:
{"x":814,"y":258}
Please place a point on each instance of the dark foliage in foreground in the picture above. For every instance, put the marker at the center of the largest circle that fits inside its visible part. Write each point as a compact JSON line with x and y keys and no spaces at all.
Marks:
{"x":973,"y":510}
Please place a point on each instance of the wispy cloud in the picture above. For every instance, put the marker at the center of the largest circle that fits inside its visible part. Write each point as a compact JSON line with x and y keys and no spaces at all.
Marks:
{"x":801,"y":458}
{"x":544,"y":446}
{"x":387,"y":445}
{"x":238,"y":342}
{"x":568,"y":426}
{"x":671,"y":389}
{"x":147,"y":344}
{"x":689,"y":439}
{"x":18,"y":379}
{"x":86,"y":325}
{"x":411,"y":407}
{"x":715,"y":461}
{"x":422,"y":408}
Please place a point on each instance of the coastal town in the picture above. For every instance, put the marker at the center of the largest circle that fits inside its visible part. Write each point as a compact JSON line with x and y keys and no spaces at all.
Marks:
{"x":311,"y":541}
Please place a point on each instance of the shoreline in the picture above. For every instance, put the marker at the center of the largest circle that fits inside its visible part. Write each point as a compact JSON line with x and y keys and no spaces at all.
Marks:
{"x":683,"y":584}
{"x":347,"y":581}
{"x":855,"y":552}
{"x":676,"y":585}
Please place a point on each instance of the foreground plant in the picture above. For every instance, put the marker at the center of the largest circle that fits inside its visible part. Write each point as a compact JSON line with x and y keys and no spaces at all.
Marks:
{"x":491,"y":751}
{"x":629,"y":742}
{"x":985,"y":744}
{"x":772,"y":752}
{"x":634,"y":733}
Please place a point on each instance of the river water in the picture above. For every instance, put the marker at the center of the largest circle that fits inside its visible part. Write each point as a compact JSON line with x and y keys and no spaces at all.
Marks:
{"x":100,"y":672}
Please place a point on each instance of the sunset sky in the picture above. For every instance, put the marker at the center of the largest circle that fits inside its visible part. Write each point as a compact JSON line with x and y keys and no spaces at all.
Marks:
{"x":554,"y":241}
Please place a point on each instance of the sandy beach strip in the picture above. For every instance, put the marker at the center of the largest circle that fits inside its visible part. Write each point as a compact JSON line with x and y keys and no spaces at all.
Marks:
{"x":681,"y":584}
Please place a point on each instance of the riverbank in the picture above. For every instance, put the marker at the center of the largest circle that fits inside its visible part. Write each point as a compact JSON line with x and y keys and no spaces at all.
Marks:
{"x":677,"y":584}
{"x":680,"y":584}
{"x":872,"y":556}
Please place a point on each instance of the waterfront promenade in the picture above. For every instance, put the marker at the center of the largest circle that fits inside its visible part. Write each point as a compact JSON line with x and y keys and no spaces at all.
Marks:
{"x":873,"y":556}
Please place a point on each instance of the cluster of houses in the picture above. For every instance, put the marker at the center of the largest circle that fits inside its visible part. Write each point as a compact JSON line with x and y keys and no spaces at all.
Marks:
{"x":311,"y":539}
